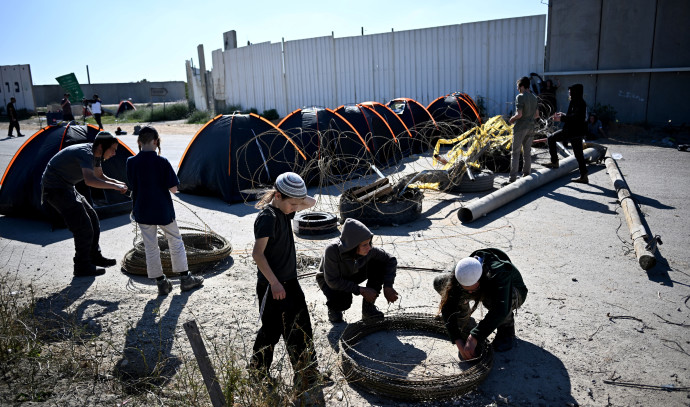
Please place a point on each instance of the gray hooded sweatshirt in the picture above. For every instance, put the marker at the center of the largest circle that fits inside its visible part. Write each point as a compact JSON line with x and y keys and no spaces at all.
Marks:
{"x":340,"y":262}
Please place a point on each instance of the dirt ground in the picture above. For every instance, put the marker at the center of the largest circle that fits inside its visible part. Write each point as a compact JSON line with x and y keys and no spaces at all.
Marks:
{"x":595,"y":329}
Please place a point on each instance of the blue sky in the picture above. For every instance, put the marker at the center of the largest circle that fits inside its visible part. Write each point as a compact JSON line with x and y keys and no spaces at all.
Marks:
{"x":127,"y":41}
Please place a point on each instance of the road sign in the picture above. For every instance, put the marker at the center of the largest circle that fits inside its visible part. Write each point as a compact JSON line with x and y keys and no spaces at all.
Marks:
{"x":159,"y":91}
{"x":70,"y":84}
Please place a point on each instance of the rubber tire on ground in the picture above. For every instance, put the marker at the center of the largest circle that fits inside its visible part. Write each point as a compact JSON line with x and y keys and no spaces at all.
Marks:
{"x":397,"y":211}
{"x":314,"y":223}
{"x":483,"y":181}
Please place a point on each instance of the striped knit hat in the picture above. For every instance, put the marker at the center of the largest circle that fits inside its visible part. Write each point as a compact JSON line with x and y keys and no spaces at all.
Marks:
{"x":291,"y":185}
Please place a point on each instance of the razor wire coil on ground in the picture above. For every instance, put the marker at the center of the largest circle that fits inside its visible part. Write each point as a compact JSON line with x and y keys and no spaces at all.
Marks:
{"x":398,"y":386}
{"x":204,"y":248}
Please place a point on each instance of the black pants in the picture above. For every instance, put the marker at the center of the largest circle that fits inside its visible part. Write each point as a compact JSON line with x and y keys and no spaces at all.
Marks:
{"x":575,"y":140}
{"x":13,"y":124}
{"x":288,"y":318}
{"x":372,"y":272}
{"x":97,"y":117}
{"x":81,"y":220}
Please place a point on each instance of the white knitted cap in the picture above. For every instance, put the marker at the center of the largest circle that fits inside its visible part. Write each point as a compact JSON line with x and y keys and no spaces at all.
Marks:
{"x":468,"y":271}
{"x":291,"y":185}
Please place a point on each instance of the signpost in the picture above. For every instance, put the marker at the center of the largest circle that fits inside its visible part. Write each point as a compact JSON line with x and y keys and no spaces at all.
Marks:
{"x":70,"y":84}
{"x":161,"y":92}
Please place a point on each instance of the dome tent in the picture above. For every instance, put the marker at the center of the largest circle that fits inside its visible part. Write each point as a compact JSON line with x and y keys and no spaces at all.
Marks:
{"x":400,"y":130}
{"x":234,"y":153}
{"x":20,"y":194}
{"x":457,"y":109}
{"x":375,"y":131}
{"x":124,"y":106}
{"x":332,"y":145}
{"x":419,"y":122}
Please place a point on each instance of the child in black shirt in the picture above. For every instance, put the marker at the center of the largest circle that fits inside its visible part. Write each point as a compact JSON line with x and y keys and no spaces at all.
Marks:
{"x":283,"y":307}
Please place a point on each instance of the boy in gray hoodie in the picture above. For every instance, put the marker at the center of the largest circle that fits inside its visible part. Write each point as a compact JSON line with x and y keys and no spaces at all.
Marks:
{"x":351,"y":261}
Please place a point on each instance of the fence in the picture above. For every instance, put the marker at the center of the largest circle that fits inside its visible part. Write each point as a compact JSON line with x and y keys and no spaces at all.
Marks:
{"x":483,"y":59}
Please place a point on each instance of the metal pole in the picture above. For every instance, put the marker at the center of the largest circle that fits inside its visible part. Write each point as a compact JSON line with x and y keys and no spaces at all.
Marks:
{"x":494,"y":200}
{"x":88,"y":77}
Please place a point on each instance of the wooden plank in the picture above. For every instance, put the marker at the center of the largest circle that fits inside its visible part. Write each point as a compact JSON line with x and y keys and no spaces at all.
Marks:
{"x":384,"y":190}
{"x":373,"y":185}
{"x":209,"y":375}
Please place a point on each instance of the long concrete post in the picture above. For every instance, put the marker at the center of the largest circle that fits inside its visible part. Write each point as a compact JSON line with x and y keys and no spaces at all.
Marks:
{"x":632,"y":216}
{"x":494,"y":200}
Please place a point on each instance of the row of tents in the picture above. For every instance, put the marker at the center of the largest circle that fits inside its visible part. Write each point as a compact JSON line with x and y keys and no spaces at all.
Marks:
{"x":233,"y":154}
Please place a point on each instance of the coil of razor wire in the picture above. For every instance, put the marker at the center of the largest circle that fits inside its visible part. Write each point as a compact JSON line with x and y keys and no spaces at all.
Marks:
{"x":400,"y":386}
{"x":204,"y":249}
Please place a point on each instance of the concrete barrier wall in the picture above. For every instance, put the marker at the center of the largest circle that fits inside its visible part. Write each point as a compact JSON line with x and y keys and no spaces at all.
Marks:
{"x":112,"y":93}
{"x":15,"y":82}
{"x":594,"y":42}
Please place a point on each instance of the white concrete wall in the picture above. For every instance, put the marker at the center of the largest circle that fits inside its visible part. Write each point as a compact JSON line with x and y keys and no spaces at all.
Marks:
{"x":481,"y":59}
{"x":15,"y":81}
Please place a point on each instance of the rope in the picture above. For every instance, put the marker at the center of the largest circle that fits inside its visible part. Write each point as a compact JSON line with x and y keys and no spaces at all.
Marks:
{"x":399,"y":386}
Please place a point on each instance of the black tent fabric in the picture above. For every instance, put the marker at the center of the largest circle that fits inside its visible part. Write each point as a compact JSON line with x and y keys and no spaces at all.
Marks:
{"x":375,"y":131}
{"x":123,"y":107}
{"x":422,"y":126}
{"x":397,"y":126}
{"x":334,"y":148}
{"x":233,"y":155}
{"x":20,"y":194}
{"x":457,"y":109}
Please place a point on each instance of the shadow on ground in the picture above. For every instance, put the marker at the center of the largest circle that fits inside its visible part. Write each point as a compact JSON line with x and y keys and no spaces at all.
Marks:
{"x":59,"y":323}
{"x":147,"y":360}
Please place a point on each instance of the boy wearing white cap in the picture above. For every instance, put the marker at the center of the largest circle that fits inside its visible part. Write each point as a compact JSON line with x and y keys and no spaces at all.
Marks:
{"x":283,"y":308}
{"x":487,"y":276}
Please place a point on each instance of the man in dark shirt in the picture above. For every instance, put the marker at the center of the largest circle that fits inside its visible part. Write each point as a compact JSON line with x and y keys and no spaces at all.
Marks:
{"x":73,"y":164}
{"x":66,"y":108}
{"x":14,"y":119}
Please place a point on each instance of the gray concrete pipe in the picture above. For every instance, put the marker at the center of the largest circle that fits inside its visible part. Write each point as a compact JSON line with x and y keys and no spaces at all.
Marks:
{"x":632,"y":216}
{"x":510,"y":192}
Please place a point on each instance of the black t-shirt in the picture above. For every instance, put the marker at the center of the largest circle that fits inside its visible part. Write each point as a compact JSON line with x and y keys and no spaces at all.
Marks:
{"x":280,"y":249}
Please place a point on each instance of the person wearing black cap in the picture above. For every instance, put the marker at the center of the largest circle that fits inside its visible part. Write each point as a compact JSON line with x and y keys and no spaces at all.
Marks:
{"x":283,"y":308}
{"x":574,"y":130}
{"x":71,"y":165}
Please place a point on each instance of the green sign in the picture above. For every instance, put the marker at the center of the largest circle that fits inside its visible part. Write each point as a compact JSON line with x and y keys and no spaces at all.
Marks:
{"x":70,"y":84}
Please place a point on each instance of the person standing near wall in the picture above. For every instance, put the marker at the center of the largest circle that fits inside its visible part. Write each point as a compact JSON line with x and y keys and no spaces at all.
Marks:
{"x":97,"y":110}
{"x":14,"y":119}
{"x":548,"y":97}
{"x":66,"y":108}
{"x":574,"y":130}
{"x":526,"y":112}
